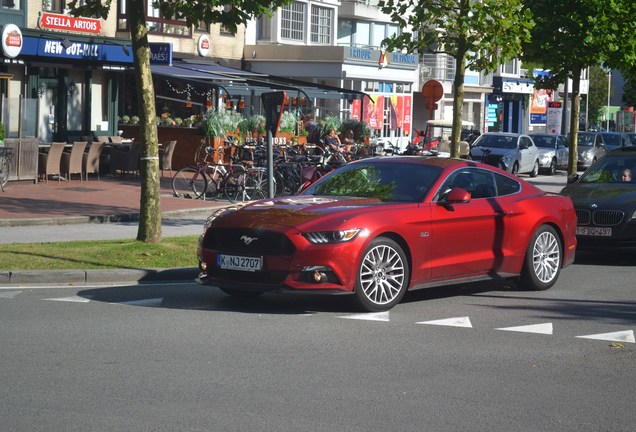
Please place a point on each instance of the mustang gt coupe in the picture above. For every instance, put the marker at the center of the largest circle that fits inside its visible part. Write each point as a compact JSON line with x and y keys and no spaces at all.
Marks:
{"x":378,"y":227}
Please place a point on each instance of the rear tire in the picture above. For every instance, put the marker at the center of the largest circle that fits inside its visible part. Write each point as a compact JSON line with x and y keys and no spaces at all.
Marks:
{"x":542,"y":263}
{"x":553,"y":167}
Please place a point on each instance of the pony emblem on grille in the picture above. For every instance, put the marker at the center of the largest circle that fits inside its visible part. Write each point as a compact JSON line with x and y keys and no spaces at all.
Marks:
{"x":247,"y":240}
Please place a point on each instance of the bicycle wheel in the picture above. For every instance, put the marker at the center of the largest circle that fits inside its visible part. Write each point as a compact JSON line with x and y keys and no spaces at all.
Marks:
{"x":256,"y":186}
{"x":214,"y":184}
{"x":4,"y":171}
{"x":234,"y":184}
{"x":189,"y":182}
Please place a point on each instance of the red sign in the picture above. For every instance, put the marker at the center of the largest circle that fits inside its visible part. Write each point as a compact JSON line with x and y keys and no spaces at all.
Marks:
{"x":52,"y":21}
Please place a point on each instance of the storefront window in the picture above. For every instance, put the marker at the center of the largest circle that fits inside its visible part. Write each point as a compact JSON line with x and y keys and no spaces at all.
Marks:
{"x":293,"y":21}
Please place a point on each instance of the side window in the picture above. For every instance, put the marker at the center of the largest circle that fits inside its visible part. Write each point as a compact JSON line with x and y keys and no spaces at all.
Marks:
{"x":484,"y":184}
{"x":480,"y":183}
{"x":506,"y":185}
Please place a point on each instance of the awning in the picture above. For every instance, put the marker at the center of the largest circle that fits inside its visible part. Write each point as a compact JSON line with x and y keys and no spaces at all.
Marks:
{"x":184,"y":73}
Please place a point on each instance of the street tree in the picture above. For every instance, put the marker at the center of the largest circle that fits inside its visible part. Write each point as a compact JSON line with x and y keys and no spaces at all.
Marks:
{"x":230,"y":13}
{"x":571,"y":35}
{"x":597,"y":94}
{"x":478,"y":35}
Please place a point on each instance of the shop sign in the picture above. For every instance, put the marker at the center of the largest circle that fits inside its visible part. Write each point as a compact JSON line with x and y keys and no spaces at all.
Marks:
{"x":523,"y":87}
{"x":203,"y":45}
{"x":11,"y":40}
{"x":51,"y":21}
{"x":161,"y":53}
{"x":54,"y":48}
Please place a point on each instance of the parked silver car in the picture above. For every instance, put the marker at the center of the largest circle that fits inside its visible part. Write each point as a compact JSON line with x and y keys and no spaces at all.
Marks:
{"x":614,"y":140}
{"x":518,"y":152}
{"x":590,"y":147}
{"x":554,"y":152}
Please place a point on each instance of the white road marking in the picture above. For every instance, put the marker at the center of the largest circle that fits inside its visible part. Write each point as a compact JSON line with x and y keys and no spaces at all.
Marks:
{"x":153,"y":302}
{"x":72,"y":299}
{"x":9,"y":294}
{"x":534,"y":328}
{"x":374,"y":316}
{"x":620,"y":336}
{"x":452,"y":322}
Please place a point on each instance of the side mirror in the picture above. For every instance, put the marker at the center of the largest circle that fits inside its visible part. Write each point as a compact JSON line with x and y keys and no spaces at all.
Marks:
{"x":573,"y":178}
{"x":457,"y":195}
{"x":303,"y":187}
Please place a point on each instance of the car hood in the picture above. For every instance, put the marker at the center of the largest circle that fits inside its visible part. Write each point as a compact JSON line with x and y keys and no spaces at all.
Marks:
{"x":612,"y":194}
{"x":300,"y":211}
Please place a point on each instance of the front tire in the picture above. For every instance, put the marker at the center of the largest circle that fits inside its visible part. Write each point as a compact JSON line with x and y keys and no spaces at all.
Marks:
{"x":189,"y":182}
{"x":542,"y":263}
{"x":535,"y":169}
{"x":383,"y":275}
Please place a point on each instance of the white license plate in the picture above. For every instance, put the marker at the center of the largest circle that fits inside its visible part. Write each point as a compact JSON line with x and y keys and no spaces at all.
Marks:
{"x":594,"y":231}
{"x":233,"y":262}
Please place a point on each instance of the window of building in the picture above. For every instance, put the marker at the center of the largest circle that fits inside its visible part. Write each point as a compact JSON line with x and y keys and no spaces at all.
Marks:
{"x":225,"y":30}
{"x":264,"y":28}
{"x":361,"y":36}
{"x":345,"y":32}
{"x":293,"y":21}
{"x":154,"y":20}
{"x":48,"y":5}
{"x":10,"y":4}
{"x":510,"y":67}
{"x":321,"y":19}
{"x":203,"y":27}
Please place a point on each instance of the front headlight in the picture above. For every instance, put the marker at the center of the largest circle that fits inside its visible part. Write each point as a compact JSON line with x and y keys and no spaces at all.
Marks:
{"x":327,"y":237}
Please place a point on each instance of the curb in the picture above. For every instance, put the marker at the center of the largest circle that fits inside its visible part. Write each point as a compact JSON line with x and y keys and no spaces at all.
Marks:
{"x":98,"y":219}
{"x":71,"y":277}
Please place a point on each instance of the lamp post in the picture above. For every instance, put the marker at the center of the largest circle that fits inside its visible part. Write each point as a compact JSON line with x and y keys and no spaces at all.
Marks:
{"x":609,"y":88}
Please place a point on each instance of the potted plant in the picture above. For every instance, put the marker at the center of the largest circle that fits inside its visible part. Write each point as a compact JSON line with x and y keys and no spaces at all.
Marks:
{"x":331,"y":122}
{"x":134,"y":120}
{"x":178,"y":121}
{"x":287,"y":122}
{"x":124,"y":119}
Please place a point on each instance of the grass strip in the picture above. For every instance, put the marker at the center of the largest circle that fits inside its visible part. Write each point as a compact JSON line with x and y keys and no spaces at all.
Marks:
{"x":170,"y":252}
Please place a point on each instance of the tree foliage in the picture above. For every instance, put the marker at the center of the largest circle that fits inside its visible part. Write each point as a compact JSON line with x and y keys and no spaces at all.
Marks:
{"x":229,"y":13}
{"x":597,"y":94}
{"x":478,"y":35}
{"x":571,"y":35}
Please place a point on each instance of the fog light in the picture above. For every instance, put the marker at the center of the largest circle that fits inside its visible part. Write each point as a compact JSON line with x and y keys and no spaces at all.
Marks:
{"x":320,"y":276}
{"x":203,"y":266}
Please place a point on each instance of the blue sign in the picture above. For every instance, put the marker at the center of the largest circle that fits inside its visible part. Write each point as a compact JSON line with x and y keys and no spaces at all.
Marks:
{"x":54,"y":48}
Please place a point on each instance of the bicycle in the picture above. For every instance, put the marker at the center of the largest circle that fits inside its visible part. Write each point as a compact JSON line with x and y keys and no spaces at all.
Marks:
{"x":6,"y":154}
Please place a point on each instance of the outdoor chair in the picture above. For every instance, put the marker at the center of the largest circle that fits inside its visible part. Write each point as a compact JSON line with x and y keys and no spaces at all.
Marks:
{"x":50,"y":163}
{"x":91,"y":159}
{"x":165,"y":156}
{"x":72,"y":160}
{"x":125,"y":161}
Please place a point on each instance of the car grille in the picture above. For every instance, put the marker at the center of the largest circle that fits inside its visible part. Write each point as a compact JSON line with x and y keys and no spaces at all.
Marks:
{"x":237,"y":241}
{"x":599,"y":217}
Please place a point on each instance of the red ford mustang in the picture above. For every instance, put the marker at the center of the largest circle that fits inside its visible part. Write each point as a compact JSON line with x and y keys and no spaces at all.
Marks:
{"x":380,"y":226}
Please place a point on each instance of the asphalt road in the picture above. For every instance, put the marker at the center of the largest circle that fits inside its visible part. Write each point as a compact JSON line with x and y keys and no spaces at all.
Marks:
{"x":192,"y":224}
{"x":182,"y":357}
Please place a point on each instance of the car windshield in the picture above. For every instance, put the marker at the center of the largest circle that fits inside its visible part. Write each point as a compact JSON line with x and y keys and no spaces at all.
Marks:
{"x":387,"y":181}
{"x":497,"y":141}
{"x":611,"y":169}
{"x":545,"y":141}
{"x":585,"y":139}
{"x":612,"y":140}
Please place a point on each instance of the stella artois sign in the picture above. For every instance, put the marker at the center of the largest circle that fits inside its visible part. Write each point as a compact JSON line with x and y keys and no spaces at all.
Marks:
{"x":11,"y":40}
{"x":51,"y":21}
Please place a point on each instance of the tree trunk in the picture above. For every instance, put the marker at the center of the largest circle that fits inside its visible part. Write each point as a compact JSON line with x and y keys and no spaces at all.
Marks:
{"x":574,"y":121}
{"x":458,"y":103}
{"x":149,"y":208}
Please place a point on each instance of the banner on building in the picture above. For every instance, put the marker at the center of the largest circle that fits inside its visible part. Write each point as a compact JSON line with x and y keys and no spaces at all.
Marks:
{"x":356,"y":108}
{"x":406,"y":123}
{"x":539,"y":106}
{"x":374,"y":111}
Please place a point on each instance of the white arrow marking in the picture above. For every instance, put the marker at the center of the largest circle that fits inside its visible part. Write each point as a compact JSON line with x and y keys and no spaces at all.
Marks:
{"x":144,"y":302}
{"x":620,"y":336}
{"x":452,"y":322}
{"x":10,"y":294}
{"x":375,"y":316}
{"x":72,"y":299}
{"x":534,"y":328}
